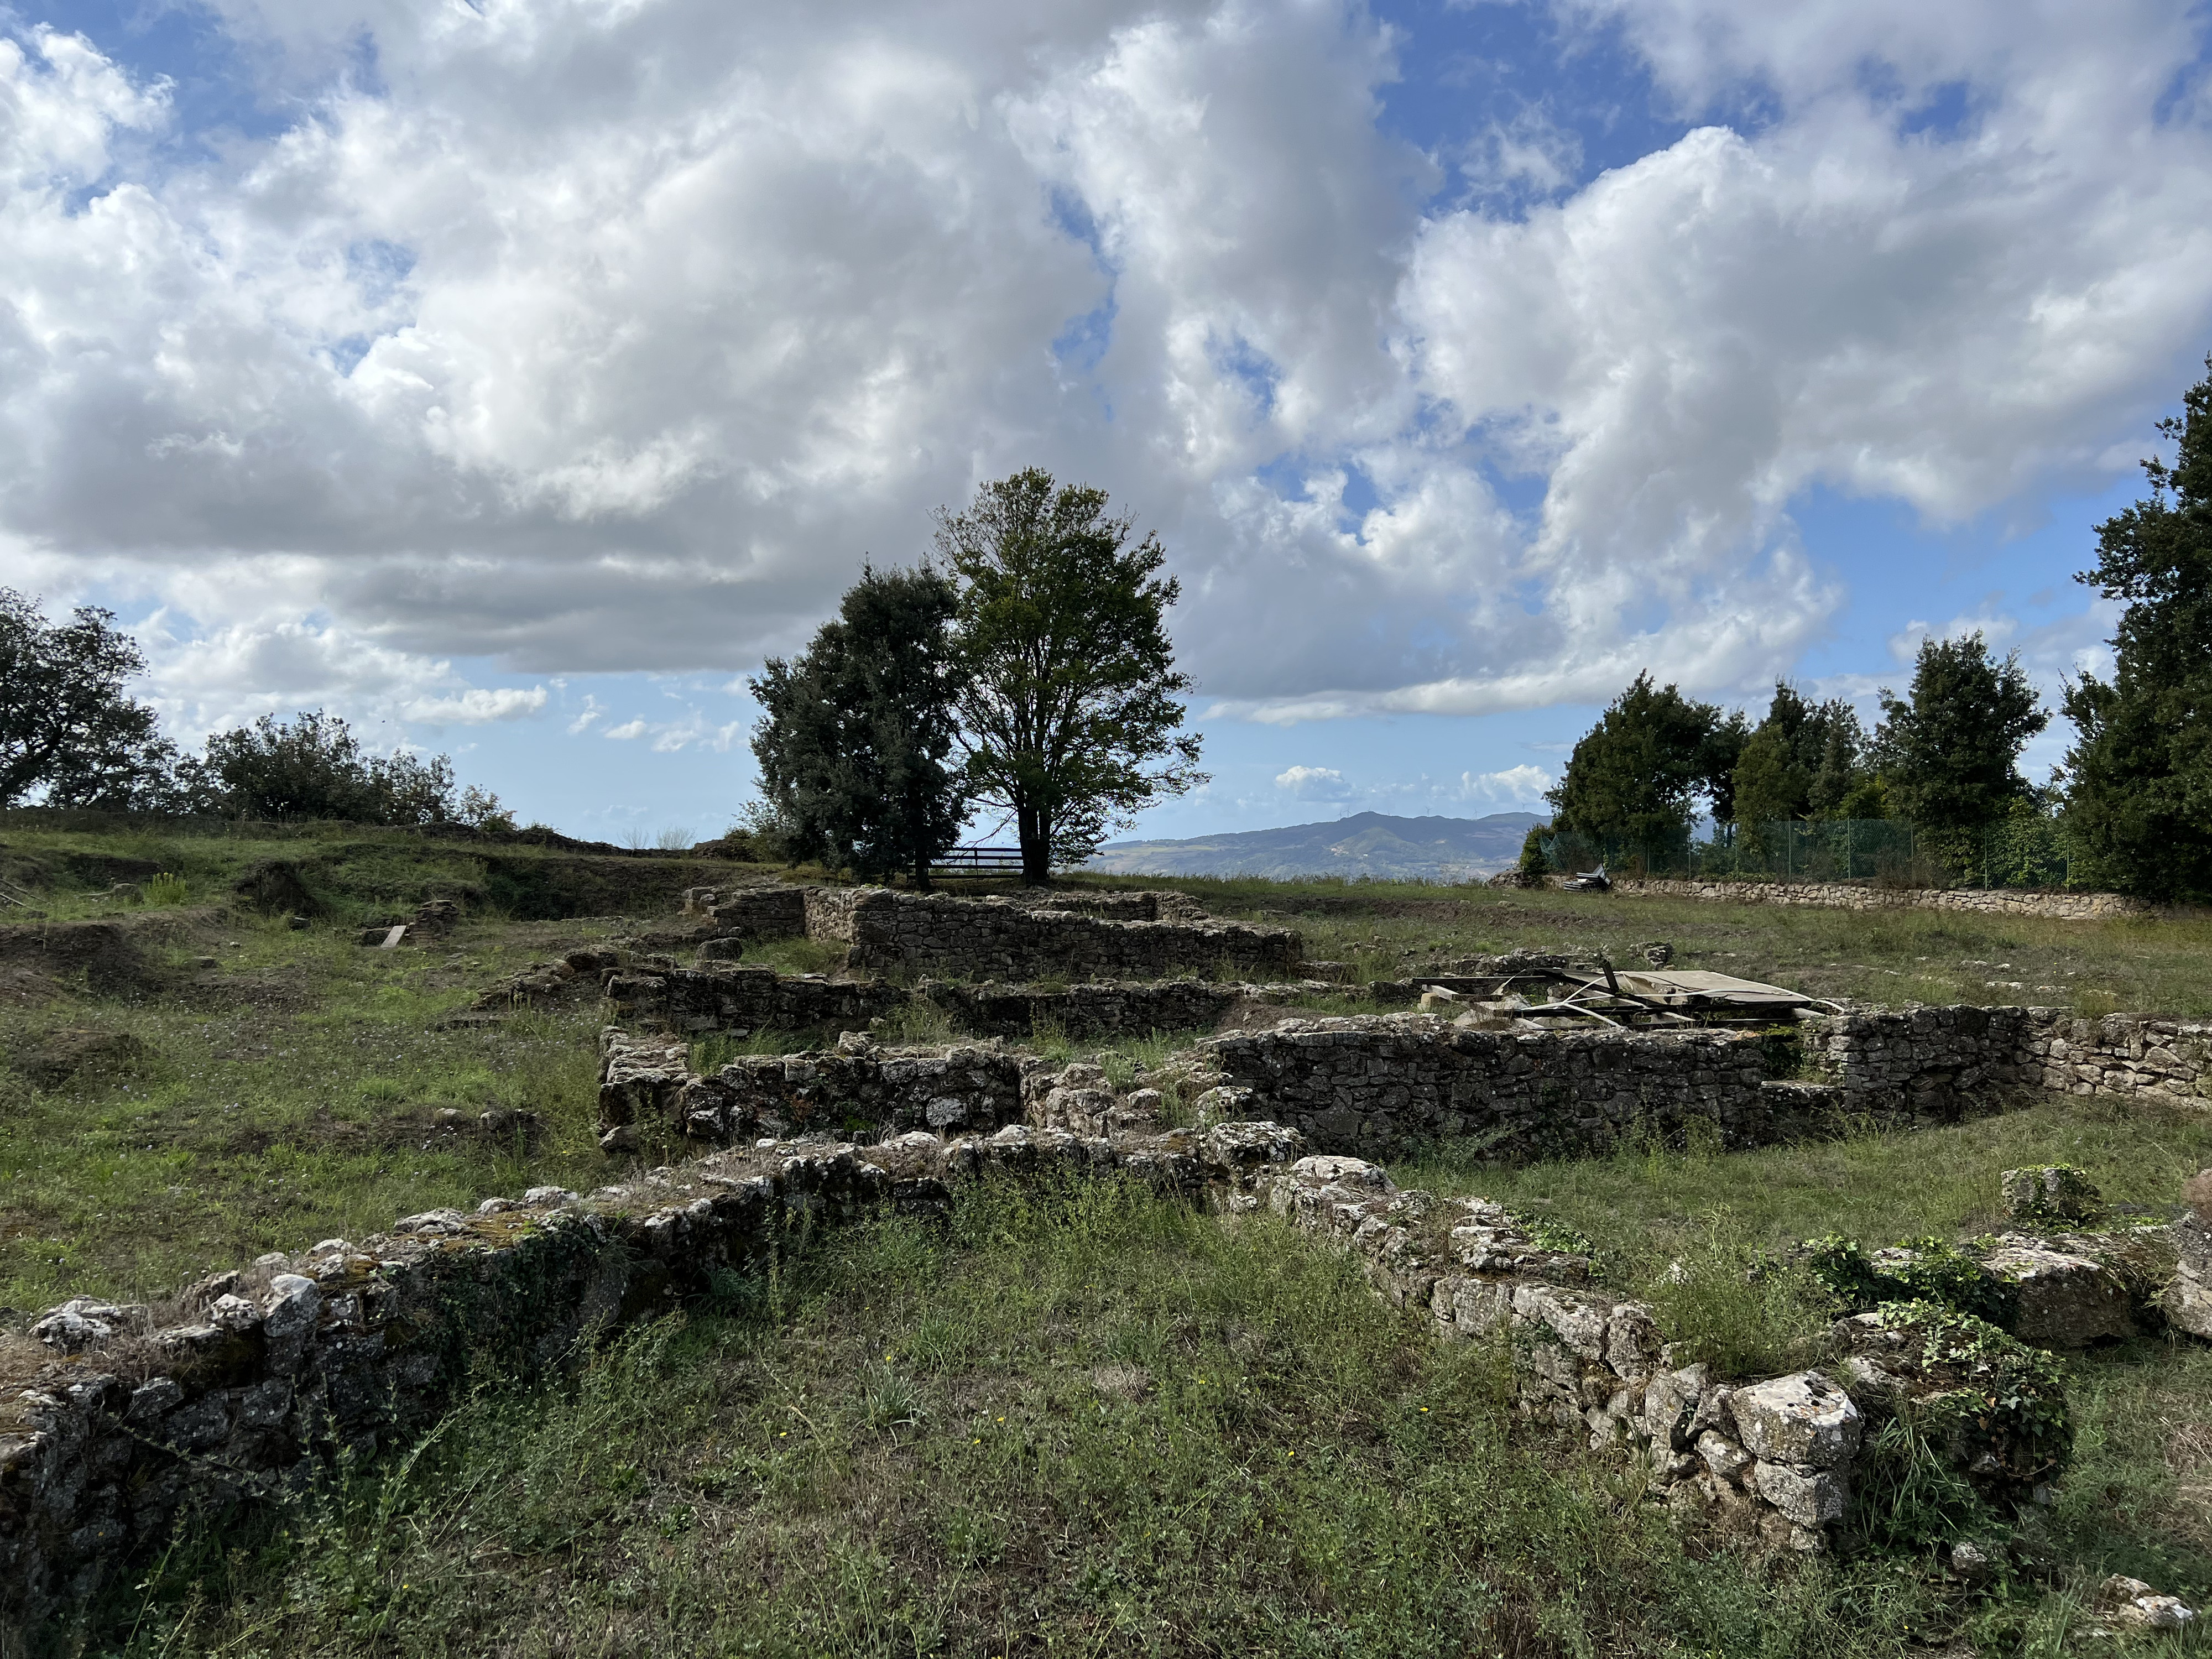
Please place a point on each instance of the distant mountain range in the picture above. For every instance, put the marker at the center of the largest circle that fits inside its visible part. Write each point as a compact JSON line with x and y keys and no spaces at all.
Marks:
{"x":1364,"y":844}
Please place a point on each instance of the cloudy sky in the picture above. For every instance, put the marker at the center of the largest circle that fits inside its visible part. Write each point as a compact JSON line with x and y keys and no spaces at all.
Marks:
{"x":513,"y":375}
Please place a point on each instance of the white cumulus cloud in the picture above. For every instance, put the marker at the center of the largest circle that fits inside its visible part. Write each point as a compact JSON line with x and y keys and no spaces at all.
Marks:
{"x":613,"y":338}
{"x":1314,"y":783}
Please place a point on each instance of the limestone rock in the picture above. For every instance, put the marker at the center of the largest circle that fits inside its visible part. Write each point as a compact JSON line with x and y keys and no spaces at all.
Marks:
{"x":2129,"y":1604}
{"x":1804,"y":1419}
{"x":2188,"y":1297}
{"x":81,"y":1321}
{"x":1807,"y":1497}
{"x":2065,"y":1301}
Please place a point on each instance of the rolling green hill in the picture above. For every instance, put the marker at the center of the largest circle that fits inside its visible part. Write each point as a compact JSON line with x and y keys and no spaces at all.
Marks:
{"x":1364,"y":844}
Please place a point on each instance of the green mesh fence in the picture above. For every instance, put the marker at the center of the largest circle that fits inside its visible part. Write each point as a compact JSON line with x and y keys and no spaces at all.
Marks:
{"x":2022,"y":852}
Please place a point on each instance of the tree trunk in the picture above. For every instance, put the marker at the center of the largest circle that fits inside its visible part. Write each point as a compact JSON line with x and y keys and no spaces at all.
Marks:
{"x":1037,"y":845}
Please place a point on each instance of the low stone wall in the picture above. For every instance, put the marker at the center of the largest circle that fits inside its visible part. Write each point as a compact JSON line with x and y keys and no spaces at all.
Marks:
{"x":1767,"y":1462}
{"x":739,"y":1001}
{"x":995,"y":938}
{"x":134,"y":1417}
{"x":1927,"y":1063}
{"x":754,"y":912}
{"x":735,"y":1002}
{"x":1148,"y":904}
{"x":1114,"y":1008}
{"x":1368,"y":1085}
{"x":1849,"y":895}
{"x":1371,"y":1084}
{"x":649,"y":1094}
{"x":2120,"y":1055}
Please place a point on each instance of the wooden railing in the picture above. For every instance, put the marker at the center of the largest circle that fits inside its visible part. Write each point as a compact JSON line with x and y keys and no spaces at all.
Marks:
{"x":977,"y":861}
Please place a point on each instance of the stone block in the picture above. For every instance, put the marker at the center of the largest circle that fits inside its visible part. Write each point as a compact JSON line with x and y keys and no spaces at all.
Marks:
{"x":2063,"y":1301}
{"x":1807,"y":1497}
{"x":1805,"y":1419}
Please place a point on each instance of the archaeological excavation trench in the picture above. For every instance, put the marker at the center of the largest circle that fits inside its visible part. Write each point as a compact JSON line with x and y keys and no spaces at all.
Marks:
{"x":123,"y":1419}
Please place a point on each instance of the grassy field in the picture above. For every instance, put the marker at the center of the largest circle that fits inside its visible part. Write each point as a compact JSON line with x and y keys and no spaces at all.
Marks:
{"x":1890,"y":958}
{"x":1098,"y":1425}
{"x":1092,"y":1425}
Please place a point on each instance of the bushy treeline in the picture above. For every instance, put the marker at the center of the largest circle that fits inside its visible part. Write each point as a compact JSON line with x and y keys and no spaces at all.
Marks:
{"x":72,"y":736}
{"x":2131,"y":807}
{"x":1026,"y":669}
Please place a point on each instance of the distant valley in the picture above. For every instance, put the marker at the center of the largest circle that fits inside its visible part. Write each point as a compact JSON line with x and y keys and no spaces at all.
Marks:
{"x":1366,"y":844}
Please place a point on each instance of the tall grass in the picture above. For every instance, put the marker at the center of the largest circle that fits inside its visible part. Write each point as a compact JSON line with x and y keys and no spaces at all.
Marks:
{"x":1081,"y":1422}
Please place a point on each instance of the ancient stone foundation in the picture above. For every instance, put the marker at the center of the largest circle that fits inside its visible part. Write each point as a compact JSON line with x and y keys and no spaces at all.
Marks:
{"x":1114,"y":1008}
{"x":995,"y":938}
{"x":1849,"y":895}
{"x":136,"y":1416}
{"x":737,"y":1001}
{"x":1371,"y":1084}
{"x":857,"y":1090}
{"x":1769,"y":1462}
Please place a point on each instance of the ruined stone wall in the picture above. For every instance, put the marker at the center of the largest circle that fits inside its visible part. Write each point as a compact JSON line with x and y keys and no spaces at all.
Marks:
{"x":1928,"y":1053}
{"x":737,"y":1000}
{"x":1932,"y":1064}
{"x":1080,"y":1011}
{"x":1371,"y":1084}
{"x":2119,"y":1054}
{"x":755,"y":912}
{"x":135,"y":1416}
{"x":1147,"y":905}
{"x":1849,"y":895}
{"x":858,"y":1090}
{"x":1768,"y":1461}
{"x":996,"y":938}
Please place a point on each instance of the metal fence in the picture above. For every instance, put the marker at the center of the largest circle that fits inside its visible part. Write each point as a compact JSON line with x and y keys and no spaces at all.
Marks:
{"x":2022,"y":851}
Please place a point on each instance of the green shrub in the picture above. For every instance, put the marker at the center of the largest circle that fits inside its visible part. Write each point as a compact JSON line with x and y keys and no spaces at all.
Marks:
{"x":164,"y":889}
{"x":1934,"y":1270}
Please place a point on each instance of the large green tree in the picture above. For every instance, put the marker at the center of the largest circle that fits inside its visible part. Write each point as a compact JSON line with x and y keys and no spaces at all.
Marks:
{"x":1070,"y":707}
{"x":312,"y":766}
{"x":1948,"y":752}
{"x":1637,"y":774}
{"x":1803,"y":760}
{"x":2139,"y":772}
{"x":68,"y":728}
{"x":856,"y":736}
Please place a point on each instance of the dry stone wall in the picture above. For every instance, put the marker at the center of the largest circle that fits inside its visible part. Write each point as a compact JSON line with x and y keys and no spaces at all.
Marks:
{"x":1848,"y":896}
{"x":1927,"y":1063}
{"x":730,"y":1000}
{"x":1114,"y":1008}
{"x":648,"y":1091}
{"x":738,"y":1002}
{"x":998,"y":938}
{"x":1367,"y":1085}
{"x":2120,"y":1055}
{"x":1768,"y":1461}
{"x":751,"y":912}
{"x":1371,"y":1084}
{"x":134,"y":1418}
